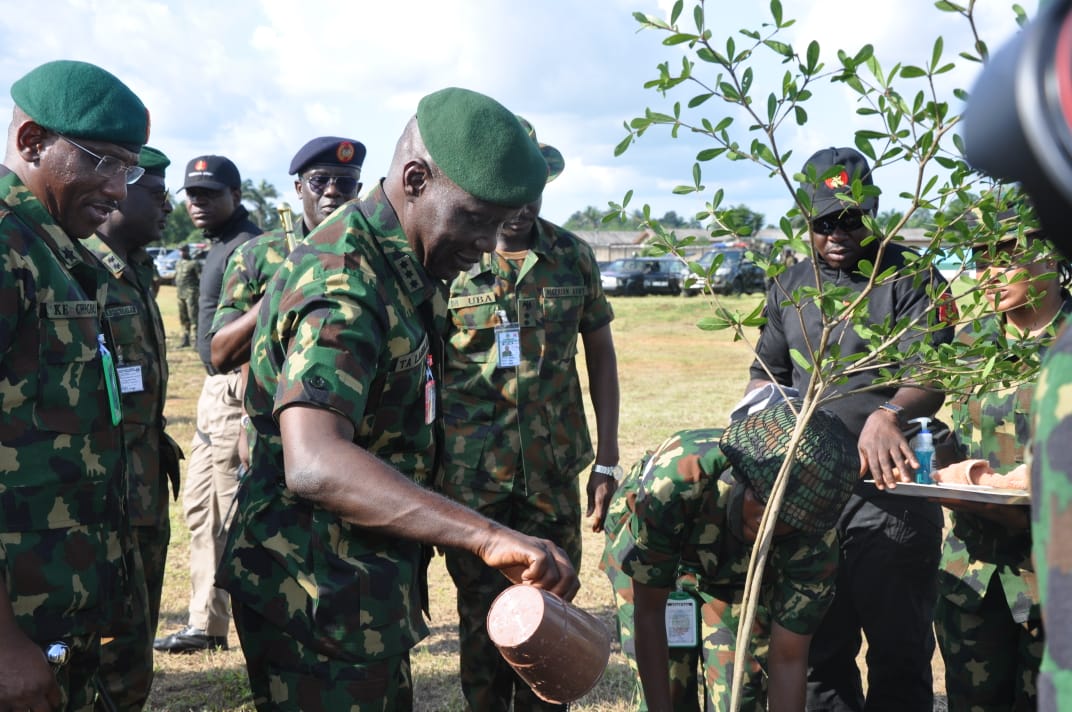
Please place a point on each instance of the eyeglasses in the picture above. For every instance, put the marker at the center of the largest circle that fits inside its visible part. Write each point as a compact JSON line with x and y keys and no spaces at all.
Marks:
{"x":164,"y":196}
{"x":109,"y":166}
{"x":827,"y":224}
{"x":318,"y":183}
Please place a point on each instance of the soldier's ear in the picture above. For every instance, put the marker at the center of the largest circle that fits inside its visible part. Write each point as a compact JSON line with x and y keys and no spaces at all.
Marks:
{"x":416,"y":175}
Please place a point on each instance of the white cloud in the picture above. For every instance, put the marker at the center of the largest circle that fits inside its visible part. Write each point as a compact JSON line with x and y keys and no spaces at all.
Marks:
{"x":255,"y":79}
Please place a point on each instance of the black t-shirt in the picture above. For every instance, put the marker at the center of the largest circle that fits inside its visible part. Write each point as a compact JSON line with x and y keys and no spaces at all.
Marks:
{"x":238,"y":229}
{"x":892,"y":299}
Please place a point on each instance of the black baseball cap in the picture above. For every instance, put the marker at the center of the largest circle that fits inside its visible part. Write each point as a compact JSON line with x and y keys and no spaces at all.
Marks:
{"x":824,"y":196}
{"x":212,"y":172}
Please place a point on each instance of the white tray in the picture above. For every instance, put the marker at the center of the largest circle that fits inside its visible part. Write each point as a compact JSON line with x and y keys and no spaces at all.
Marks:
{"x":967,"y":493}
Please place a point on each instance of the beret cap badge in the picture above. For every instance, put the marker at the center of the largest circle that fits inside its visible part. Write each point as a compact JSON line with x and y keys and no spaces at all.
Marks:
{"x":345,"y":152}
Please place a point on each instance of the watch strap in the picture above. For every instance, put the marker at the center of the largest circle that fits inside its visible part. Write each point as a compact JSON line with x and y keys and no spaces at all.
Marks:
{"x":614,"y":471}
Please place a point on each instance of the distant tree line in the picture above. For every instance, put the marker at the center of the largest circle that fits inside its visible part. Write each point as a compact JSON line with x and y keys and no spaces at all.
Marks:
{"x":592,"y":218}
{"x":262,"y":201}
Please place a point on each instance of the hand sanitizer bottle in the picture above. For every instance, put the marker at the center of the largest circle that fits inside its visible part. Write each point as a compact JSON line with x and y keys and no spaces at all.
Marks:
{"x":923,"y":447}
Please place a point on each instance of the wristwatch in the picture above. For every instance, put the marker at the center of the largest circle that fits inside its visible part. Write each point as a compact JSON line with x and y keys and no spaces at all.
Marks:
{"x":892,"y":408}
{"x":614,"y":471}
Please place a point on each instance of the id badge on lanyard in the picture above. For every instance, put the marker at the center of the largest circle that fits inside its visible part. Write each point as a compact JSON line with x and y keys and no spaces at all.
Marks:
{"x":508,"y":342}
{"x":682,"y":620}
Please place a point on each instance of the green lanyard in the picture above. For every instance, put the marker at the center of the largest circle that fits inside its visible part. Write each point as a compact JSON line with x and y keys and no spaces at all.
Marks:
{"x":110,"y":382}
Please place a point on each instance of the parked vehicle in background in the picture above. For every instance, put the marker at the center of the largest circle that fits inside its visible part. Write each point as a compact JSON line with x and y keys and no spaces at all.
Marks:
{"x":663,"y":275}
{"x":165,"y":265}
{"x":643,"y":275}
{"x":736,"y":275}
{"x":625,"y":276}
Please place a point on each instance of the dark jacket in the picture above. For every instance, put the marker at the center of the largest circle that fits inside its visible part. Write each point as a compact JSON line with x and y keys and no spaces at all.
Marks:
{"x":237,"y":230}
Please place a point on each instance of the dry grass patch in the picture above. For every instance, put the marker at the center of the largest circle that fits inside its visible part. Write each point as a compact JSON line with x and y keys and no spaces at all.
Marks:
{"x":672,"y":375}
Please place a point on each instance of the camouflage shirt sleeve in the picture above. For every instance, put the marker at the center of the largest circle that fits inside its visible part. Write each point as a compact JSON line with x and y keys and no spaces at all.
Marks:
{"x":676,"y":508}
{"x":1051,"y":514}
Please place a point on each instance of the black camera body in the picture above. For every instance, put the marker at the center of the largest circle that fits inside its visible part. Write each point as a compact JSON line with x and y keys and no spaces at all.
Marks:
{"x":1018,"y":122}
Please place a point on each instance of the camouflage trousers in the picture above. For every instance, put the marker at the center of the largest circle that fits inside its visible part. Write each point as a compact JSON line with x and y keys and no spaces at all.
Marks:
{"x":718,"y":645}
{"x":684,"y":662}
{"x":126,"y":669}
{"x":991,"y":661}
{"x":488,"y":681}
{"x":188,"y":311}
{"x":286,"y":675}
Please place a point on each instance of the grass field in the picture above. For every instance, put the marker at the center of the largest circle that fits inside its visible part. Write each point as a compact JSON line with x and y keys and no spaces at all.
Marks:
{"x":672,"y":376}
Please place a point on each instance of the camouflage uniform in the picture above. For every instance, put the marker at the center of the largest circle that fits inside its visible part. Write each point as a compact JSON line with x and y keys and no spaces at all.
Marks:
{"x":1051,"y":512}
{"x":347,"y":329}
{"x":987,"y":620}
{"x":188,"y":285}
{"x":516,"y":437}
{"x":249,"y":269}
{"x":684,"y":662}
{"x":133,"y":316}
{"x":59,"y":523}
{"x":679,"y":522}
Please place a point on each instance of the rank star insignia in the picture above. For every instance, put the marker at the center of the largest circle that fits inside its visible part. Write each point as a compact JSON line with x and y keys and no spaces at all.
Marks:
{"x":839,"y":181}
{"x":68,"y":254}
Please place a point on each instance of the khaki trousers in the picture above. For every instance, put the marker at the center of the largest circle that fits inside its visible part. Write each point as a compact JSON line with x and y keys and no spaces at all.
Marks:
{"x":211,"y":482}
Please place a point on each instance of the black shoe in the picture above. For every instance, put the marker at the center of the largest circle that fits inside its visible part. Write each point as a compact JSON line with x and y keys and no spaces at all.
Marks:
{"x":190,"y":640}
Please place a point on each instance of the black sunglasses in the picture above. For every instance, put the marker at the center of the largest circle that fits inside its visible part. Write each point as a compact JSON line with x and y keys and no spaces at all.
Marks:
{"x":319,"y":182}
{"x":827,"y":224}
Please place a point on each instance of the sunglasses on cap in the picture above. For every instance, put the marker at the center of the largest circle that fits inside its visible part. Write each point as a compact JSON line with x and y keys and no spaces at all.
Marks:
{"x":827,"y":224}
{"x":318,"y":183}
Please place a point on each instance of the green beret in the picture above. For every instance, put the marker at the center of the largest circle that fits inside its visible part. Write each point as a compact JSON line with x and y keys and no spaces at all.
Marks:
{"x":153,"y":161}
{"x":555,"y":162}
{"x":81,"y":100}
{"x":480,"y":145}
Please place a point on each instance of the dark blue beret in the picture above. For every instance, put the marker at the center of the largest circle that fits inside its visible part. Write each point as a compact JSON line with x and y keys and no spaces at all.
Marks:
{"x":329,"y":151}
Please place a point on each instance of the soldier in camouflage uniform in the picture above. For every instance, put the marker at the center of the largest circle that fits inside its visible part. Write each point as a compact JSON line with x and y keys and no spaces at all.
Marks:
{"x":74,"y":139}
{"x":188,"y":287}
{"x":326,"y":558}
{"x":1051,"y":518}
{"x":151,"y":457}
{"x":328,"y":170}
{"x":988,"y":622}
{"x":690,"y":515}
{"x":684,"y":662}
{"x":516,"y":436}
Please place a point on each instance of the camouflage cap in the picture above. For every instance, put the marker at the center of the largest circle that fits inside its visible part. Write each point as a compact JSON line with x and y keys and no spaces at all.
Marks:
{"x":824,"y":472}
{"x":480,"y":145}
{"x":153,"y":161}
{"x":555,"y":162}
{"x":1009,"y":223}
{"x":81,"y":100}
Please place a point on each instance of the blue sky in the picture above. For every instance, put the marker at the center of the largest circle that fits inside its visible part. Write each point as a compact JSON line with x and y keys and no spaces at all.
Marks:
{"x":255,"y":79}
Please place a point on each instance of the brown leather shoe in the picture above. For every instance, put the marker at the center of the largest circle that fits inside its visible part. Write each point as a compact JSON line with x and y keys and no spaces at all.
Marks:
{"x":190,"y":640}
